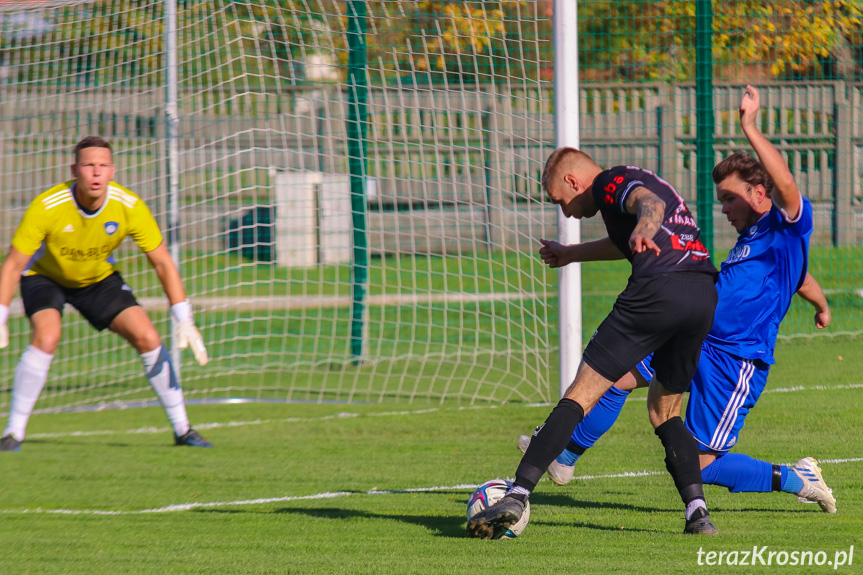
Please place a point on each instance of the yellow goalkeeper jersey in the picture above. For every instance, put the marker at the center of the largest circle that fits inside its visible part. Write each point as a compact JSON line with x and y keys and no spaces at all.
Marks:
{"x":74,"y":248}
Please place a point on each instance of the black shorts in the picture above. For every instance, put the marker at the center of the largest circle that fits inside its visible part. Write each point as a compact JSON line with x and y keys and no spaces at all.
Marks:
{"x":99,"y":303}
{"x":667,"y":314}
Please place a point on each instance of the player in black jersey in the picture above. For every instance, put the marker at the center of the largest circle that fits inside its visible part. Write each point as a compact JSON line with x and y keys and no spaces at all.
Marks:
{"x":666,"y":309}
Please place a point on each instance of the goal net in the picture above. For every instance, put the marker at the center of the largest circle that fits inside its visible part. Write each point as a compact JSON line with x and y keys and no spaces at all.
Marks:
{"x":356,"y":194}
{"x":351,"y":188}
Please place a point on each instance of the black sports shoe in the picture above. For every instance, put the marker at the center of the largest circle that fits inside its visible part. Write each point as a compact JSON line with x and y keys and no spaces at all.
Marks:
{"x":699,"y":523}
{"x":9,"y":443}
{"x":494,"y":521}
{"x":192,"y":438}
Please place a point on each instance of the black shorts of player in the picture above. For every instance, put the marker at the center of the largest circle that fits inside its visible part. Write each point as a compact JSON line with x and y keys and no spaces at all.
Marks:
{"x":99,"y":303}
{"x":667,"y":314}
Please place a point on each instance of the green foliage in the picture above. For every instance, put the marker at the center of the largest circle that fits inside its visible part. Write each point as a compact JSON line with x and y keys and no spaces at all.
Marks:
{"x":634,"y":40}
{"x":268,"y":44}
{"x":94,"y":44}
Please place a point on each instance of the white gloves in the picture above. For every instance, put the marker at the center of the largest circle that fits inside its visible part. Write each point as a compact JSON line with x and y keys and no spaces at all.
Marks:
{"x":4,"y":329}
{"x":186,"y":333}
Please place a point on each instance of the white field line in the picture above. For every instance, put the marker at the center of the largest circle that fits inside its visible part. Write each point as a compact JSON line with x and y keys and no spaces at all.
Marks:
{"x":324,"y":495}
{"x":791,"y":389}
{"x":210,"y":303}
{"x":286,"y":302}
{"x":814,"y":388}
{"x":199,"y":426}
{"x":348,"y":415}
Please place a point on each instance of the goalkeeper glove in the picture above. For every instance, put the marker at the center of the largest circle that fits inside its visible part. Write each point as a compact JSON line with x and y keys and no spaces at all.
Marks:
{"x":4,"y":329}
{"x":186,"y":333}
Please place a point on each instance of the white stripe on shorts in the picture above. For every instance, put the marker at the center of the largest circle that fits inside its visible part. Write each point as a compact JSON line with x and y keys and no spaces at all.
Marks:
{"x":729,"y":416}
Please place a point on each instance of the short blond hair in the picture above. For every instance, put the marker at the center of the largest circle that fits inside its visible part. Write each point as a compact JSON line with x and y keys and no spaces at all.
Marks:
{"x":555,"y":161}
{"x":91,"y":142}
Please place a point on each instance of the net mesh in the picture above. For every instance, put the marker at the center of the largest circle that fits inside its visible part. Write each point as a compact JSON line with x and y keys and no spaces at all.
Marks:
{"x":277,"y":193}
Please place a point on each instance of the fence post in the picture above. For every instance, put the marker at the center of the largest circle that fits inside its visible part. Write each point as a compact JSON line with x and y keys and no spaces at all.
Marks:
{"x":493,"y":161}
{"x":667,"y":133}
{"x":843,"y":231}
{"x":357,"y":124}
{"x":705,"y":119}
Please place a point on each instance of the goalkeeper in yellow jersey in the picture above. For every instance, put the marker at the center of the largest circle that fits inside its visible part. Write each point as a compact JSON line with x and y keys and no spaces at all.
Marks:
{"x":62,"y":253}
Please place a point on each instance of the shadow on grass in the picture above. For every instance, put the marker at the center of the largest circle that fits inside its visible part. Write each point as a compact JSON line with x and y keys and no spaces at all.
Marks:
{"x":440,"y":526}
{"x":598,"y":527}
{"x":714,"y":509}
{"x":565,"y":500}
{"x":66,"y":442}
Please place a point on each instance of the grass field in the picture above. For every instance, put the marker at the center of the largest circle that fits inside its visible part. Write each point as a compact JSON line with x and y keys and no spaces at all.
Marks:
{"x":336,"y":488}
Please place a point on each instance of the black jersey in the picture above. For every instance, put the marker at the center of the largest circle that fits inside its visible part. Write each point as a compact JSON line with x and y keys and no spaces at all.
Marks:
{"x":678,"y":238}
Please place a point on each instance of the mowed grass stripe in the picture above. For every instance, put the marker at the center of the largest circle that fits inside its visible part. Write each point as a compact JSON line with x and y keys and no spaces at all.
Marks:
{"x":344,"y":415}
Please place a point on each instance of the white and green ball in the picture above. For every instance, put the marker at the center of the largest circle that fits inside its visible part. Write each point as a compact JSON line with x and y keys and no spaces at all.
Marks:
{"x":487,"y":495}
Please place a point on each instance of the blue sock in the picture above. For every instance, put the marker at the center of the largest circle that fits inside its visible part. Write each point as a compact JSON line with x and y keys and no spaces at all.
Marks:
{"x":739,"y":473}
{"x":600,"y":419}
{"x":568,"y":457}
{"x":594,"y":425}
{"x":791,"y":482}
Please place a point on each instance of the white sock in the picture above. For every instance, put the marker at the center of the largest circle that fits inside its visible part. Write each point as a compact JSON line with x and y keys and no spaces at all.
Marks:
{"x":30,"y":376}
{"x":160,"y":371}
{"x":693,"y":505}
{"x":517,"y":490}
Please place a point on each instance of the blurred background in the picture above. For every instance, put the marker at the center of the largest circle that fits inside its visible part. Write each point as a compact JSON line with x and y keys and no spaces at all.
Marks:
{"x":351,"y":188}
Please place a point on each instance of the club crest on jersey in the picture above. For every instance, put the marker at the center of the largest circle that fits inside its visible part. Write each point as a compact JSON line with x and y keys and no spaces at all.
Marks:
{"x":738,"y":253}
{"x":111,"y":227}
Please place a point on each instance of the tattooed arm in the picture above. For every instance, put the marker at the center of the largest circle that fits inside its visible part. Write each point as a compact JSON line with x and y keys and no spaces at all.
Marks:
{"x":650,"y":210}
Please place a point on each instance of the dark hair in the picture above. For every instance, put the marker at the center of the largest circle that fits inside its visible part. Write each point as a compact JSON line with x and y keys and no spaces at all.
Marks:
{"x":556,"y":159}
{"x":91,"y":142}
{"x":747,"y":169}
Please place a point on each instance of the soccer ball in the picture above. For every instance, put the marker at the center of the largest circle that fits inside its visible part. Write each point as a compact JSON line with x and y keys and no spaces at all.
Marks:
{"x":487,"y":495}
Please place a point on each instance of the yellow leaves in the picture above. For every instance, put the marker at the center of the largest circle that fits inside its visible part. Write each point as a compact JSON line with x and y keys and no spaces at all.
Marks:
{"x":464,"y":29}
{"x":777,"y":67}
{"x":780,"y":36}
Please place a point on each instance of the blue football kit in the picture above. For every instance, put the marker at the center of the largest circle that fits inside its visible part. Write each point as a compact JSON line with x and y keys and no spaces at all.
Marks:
{"x":756,"y":283}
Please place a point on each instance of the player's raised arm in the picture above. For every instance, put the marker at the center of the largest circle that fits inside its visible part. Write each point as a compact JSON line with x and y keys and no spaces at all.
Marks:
{"x":785,"y":195}
{"x":811,"y":291}
{"x":650,"y":210}
{"x":181,"y":310}
{"x":556,"y":255}
{"x":10,"y":276}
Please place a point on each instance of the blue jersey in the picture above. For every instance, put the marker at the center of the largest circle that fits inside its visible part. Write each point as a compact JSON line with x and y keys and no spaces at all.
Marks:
{"x":763,"y":271}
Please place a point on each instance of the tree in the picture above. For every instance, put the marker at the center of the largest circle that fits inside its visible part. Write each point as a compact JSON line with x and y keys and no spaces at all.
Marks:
{"x":778,"y":39}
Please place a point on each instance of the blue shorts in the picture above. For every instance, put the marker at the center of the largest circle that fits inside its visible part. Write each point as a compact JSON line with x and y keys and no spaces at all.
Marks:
{"x":644,"y":368}
{"x":724,"y":389}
